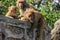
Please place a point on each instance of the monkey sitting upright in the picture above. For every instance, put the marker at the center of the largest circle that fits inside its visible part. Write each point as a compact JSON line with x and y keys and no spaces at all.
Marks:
{"x":37,"y":19}
{"x":23,"y":5}
{"x":12,"y":12}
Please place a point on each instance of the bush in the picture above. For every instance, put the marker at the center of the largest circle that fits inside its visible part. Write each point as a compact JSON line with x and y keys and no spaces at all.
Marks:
{"x":51,"y":14}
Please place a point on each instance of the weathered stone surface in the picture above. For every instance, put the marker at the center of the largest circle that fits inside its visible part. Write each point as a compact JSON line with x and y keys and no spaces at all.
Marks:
{"x":13,"y":29}
{"x":46,"y":33}
{"x":0,"y":34}
{"x":12,"y":21}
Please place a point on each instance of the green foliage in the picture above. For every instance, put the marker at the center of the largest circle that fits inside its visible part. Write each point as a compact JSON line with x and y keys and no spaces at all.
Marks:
{"x":29,"y":1}
{"x":51,"y":15}
{"x":4,"y":4}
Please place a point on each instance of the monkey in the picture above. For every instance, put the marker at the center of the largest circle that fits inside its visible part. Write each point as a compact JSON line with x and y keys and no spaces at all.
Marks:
{"x":23,"y":18}
{"x":55,"y":32}
{"x":23,"y":5}
{"x":12,"y":12}
{"x":37,"y":19}
{"x":26,"y":16}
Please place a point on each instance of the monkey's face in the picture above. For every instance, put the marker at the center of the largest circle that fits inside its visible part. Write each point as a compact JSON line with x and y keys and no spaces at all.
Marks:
{"x":20,"y":3}
{"x":12,"y":9}
{"x":30,"y":15}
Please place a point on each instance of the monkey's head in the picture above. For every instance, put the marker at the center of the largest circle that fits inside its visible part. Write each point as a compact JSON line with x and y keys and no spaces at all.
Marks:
{"x":30,"y":14}
{"x":12,"y":9}
{"x":20,"y":3}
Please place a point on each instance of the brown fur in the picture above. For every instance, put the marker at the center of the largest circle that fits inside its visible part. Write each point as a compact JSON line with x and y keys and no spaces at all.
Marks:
{"x":11,"y":12}
{"x":37,"y":19}
{"x":23,"y":5}
{"x":23,"y":18}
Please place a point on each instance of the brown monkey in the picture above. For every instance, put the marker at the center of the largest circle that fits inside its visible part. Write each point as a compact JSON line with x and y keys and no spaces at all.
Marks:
{"x":26,"y":16}
{"x":23,"y":5}
{"x":11,"y":12}
{"x":23,"y":18}
{"x":37,"y":19}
